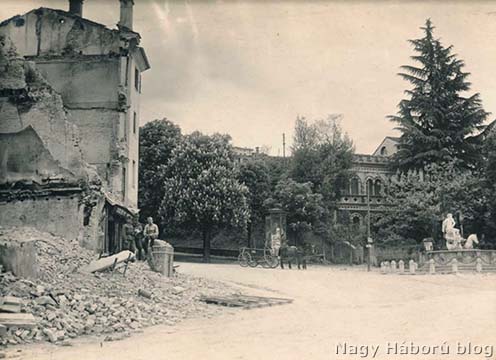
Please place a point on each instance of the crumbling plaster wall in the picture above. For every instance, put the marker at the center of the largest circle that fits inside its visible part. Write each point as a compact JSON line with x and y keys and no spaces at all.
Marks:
{"x":48,"y":32}
{"x":59,"y":215}
{"x":38,"y":143}
{"x":31,"y":101}
{"x":84,"y":83}
{"x":23,"y":157}
{"x":92,"y":68}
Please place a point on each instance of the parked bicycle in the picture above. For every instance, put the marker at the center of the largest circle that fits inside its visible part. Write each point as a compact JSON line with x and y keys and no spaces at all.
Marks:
{"x":255,"y":256}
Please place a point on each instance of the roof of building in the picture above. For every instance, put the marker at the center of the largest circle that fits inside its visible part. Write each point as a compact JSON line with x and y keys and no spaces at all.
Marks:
{"x":70,"y":15}
{"x":394,"y":139}
{"x":123,"y":32}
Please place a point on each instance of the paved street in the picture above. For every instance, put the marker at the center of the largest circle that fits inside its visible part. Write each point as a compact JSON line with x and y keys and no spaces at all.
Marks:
{"x":331,"y":306}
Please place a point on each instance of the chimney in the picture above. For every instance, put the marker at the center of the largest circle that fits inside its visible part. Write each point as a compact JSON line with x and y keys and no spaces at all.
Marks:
{"x":76,"y":7}
{"x":126,"y":20}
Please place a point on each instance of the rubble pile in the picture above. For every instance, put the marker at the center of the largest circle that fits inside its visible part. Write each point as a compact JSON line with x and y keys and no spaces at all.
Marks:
{"x":68,"y":303}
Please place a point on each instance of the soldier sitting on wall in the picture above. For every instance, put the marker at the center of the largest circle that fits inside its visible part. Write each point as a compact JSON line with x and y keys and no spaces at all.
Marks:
{"x":150,"y":234}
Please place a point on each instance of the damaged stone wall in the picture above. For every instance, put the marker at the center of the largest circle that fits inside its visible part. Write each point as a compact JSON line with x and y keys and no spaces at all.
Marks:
{"x":47,"y":32}
{"x":56,"y":214}
{"x":91,"y":67}
{"x":30,"y":101}
{"x":44,"y":180}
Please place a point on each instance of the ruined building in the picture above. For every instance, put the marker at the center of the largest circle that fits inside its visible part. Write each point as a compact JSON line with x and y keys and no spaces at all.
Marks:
{"x":69,"y":119}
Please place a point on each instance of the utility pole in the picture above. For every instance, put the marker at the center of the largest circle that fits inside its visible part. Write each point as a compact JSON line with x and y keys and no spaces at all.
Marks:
{"x":283,"y":145}
{"x":369,"y":239}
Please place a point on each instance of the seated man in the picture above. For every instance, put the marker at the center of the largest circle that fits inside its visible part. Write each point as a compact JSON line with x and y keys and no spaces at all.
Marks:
{"x":150,"y":234}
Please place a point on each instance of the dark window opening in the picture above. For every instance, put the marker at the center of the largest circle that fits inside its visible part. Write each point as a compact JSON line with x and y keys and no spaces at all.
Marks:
{"x":124,"y":184}
{"x":355,"y":186}
{"x":370,"y":187}
{"x":135,"y":122}
{"x":19,"y":22}
{"x":136,"y":79}
{"x":378,"y":188}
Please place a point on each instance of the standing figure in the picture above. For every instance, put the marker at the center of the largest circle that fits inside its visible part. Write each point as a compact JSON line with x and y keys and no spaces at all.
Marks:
{"x":276,"y":241}
{"x":138,"y":241}
{"x":150,"y":234}
{"x":128,"y":237}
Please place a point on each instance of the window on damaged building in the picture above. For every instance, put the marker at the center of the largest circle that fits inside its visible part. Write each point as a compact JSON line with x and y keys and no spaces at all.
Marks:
{"x":125,"y":126}
{"x":134,"y":174}
{"x":137,"y":84}
{"x":124,"y":183}
{"x":135,"y":122}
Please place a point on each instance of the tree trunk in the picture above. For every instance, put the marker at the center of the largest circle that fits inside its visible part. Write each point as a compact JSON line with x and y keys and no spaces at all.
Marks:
{"x":206,"y":245}
{"x":250,"y":242}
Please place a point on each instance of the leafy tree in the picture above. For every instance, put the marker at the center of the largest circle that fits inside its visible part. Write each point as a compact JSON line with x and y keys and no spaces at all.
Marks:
{"x":437,"y":121}
{"x":278,"y":169}
{"x":322,"y":155}
{"x":156,"y":141}
{"x":420,"y":200}
{"x":202,"y":191}
{"x":305,"y":209}
{"x":254,"y":174}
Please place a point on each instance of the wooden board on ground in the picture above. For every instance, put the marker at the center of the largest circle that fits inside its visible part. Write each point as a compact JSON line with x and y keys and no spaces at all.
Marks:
{"x":246,"y":302}
{"x":18,"y":320}
{"x":107,"y":262}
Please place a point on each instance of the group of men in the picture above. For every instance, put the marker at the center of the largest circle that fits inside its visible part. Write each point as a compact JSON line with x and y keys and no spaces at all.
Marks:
{"x":140,"y":240}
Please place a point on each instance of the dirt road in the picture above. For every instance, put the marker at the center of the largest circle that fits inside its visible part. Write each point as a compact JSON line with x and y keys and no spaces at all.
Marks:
{"x":336,"y":314}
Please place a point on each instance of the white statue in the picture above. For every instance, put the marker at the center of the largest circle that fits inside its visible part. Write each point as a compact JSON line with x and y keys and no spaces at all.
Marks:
{"x":451,"y":234}
{"x":469,"y":243}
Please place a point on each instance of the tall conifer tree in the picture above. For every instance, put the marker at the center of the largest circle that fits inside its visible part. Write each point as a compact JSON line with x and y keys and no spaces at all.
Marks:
{"x":439,"y":119}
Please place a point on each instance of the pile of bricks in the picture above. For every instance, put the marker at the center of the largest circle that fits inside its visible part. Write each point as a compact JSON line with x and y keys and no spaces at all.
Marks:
{"x":67,"y":303}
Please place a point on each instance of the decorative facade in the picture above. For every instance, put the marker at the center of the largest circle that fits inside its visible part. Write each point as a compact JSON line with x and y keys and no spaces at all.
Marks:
{"x":366,"y":188}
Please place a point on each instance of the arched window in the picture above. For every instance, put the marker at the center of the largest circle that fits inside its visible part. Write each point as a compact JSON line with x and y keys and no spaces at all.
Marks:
{"x":356,"y":221}
{"x":370,"y":187}
{"x":355,"y":186}
{"x":378,"y":188}
{"x":383,"y":151}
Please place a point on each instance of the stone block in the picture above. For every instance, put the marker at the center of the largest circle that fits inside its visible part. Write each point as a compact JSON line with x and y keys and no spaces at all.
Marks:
{"x":20,"y":258}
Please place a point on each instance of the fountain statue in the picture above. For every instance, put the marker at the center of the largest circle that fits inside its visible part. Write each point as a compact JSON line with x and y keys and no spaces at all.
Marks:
{"x":459,"y":255}
{"x":451,"y":234}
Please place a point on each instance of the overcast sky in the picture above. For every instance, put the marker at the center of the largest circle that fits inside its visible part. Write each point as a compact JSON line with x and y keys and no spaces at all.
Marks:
{"x":249,"y":68}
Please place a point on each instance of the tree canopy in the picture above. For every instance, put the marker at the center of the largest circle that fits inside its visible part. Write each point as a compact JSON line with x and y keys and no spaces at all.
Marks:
{"x":202,"y":190}
{"x":420,"y":200}
{"x":438,"y":120}
{"x":322,"y":155}
{"x":157,"y":140}
{"x":305,"y":209}
{"x":254,"y":174}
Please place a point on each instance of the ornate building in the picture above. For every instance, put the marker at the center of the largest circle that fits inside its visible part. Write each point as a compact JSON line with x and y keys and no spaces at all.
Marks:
{"x":367,"y":185}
